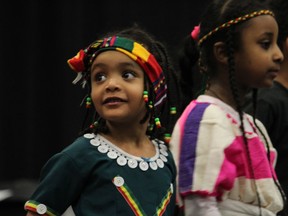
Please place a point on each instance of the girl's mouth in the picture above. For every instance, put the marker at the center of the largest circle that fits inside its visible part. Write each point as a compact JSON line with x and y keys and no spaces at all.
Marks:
{"x":113,"y":100}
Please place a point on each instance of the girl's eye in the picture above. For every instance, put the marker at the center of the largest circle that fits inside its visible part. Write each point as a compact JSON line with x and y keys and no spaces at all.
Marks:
{"x":128,"y":75}
{"x":265,"y":44}
{"x":99,"y":77}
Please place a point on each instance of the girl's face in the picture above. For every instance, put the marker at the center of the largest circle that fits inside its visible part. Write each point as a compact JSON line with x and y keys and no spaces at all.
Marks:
{"x":117,"y":84}
{"x":258,"y":58}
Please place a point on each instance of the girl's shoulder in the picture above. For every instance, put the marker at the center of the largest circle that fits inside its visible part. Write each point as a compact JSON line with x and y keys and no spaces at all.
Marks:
{"x":206,"y":107}
{"x":81,"y":143}
{"x":83,"y":147}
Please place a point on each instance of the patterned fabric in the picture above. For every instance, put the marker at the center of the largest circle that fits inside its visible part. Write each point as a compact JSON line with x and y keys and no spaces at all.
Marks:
{"x":235,"y":21}
{"x":88,"y":178}
{"x":135,"y":204}
{"x":84,"y":59}
{"x":34,"y":206}
{"x":212,"y":159}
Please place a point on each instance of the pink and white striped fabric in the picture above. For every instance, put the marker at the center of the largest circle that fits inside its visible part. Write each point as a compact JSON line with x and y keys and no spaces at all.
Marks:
{"x":212,"y":158}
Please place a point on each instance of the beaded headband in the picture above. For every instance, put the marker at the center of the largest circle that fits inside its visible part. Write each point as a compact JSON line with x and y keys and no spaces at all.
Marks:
{"x":82,"y":62}
{"x":235,"y":21}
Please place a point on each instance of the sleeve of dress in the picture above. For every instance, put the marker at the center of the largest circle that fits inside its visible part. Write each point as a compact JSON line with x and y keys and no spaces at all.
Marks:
{"x":61,"y":182}
{"x":200,"y":139}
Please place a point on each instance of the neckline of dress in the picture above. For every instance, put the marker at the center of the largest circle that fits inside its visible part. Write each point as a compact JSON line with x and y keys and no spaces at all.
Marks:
{"x":123,"y":158}
{"x":249,"y":126}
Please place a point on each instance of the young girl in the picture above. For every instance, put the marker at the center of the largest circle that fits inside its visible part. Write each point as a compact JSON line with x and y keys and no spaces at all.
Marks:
{"x":119,"y":166}
{"x":226,"y":160}
{"x":272,"y":103}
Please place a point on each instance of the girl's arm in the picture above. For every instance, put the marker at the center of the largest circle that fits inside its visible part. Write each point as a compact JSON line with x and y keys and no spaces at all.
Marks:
{"x":200,"y":206}
{"x":31,"y":214}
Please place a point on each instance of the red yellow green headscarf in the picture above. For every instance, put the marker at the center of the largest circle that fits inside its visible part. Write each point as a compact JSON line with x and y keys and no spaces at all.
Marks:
{"x":82,"y":62}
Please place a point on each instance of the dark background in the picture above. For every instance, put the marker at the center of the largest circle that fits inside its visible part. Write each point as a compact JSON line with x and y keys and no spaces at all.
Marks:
{"x":40,"y":107}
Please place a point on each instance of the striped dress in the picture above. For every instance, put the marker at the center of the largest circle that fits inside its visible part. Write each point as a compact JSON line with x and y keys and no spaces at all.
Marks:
{"x":212,"y":158}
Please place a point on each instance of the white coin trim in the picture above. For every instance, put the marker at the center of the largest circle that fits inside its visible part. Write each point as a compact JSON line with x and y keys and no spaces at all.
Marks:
{"x":122,"y":158}
{"x":41,"y":209}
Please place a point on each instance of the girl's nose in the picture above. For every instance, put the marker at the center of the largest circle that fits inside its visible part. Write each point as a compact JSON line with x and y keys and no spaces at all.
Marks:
{"x":278,"y":56}
{"x":112,"y":84}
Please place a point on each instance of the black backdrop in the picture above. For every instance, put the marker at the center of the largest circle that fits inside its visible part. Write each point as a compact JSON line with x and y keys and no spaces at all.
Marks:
{"x":40,"y":112}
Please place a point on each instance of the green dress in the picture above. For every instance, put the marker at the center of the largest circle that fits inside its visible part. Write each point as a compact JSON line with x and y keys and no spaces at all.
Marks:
{"x":95,"y":177}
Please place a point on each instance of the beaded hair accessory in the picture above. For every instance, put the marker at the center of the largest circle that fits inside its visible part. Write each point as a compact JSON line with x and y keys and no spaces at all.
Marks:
{"x":235,"y":21}
{"x":82,"y":62}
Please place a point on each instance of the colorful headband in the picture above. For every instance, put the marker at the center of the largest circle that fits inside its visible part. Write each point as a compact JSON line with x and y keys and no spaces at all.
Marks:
{"x":235,"y":21}
{"x":82,"y":62}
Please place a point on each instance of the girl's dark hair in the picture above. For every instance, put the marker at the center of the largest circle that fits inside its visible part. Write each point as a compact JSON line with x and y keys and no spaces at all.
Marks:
{"x":160,"y":52}
{"x":280,"y":8}
{"x":217,"y":13}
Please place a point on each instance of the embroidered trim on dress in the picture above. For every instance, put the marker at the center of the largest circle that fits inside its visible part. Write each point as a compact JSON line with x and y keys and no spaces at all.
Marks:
{"x":123,"y":158}
{"x":134,"y":204}
{"x":39,"y":208}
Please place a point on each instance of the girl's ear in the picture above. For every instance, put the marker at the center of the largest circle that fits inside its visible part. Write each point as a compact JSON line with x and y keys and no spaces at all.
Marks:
{"x":220,"y":52}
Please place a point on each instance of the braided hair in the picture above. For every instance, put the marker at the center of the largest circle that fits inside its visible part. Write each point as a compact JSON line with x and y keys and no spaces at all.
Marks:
{"x":168,"y":112}
{"x":217,"y":13}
